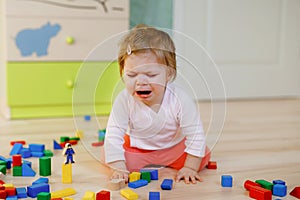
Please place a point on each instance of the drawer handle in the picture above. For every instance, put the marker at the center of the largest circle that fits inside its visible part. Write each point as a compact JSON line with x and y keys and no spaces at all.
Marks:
{"x":70,"y":84}
{"x":70,"y":40}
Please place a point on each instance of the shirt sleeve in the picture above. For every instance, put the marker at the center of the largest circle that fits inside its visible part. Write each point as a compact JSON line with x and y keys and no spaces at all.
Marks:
{"x":191,"y":125}
{"x":116,"y":128}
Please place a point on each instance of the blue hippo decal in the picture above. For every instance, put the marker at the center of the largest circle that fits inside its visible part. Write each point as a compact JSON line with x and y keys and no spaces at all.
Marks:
{"x":31,"y":41}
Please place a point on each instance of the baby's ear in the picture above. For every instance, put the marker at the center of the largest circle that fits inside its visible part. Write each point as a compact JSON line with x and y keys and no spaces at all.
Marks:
{"x":170,"y":74}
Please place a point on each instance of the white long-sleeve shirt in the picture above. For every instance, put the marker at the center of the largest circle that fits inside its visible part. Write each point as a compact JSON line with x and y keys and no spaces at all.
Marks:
{"x":177,"y":118}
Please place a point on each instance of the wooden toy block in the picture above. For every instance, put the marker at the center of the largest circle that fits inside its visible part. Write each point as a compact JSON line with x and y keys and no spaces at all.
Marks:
{"x":23,"y":142}
{"x":45,"y":166}
{"x":296,"y":192}
{"x":137,"y":183}
{"x":8,"y":185}
{"x":36,"y":147}
{"x":89,"y":195}
{"x":154,"y":196}
{"x":68,"y":198}
{"x":63,"y":193}
{"x":34,"y":190}
{"x":10,"y":191}
{"x":87,"y":118}
{"x":265,"y":184}
{"x":17,"y":160}
{"x":41,"y":180}
{"x":67,"y":173}
{"x":129,"y":194}
{"x":279,"y":190}
{"x":260,"y":193}
{"x":248,"y":184}
{"x":103,"y":195}
{"x":3,"y":169}
{"x":44,"y":196}
{"x":56,"y":145}
{"x":48,"y":153}
{"x":64,"y":139}
{"x":97,"y":144}
{"x":17,"y":171}
{"x":2,"y":194}
{"x":146,"y":176}
{"x":153,"y":173}
{"x":116,"y":184}
{"x":211,"y":165}
{"x":25,"y":153}
{"x":79,"y":133}
{"x":21,"y":192}
{"x":167,"y":184}
{"x":27,"y":171}
{"x":134,"y":176}
{"x":279,"y":182}
{"x":16,"y":149}
{"x":226,"y":181}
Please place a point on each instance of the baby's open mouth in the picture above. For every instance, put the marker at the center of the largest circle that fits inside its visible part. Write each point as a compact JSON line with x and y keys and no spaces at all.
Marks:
{"x":145,"y":92}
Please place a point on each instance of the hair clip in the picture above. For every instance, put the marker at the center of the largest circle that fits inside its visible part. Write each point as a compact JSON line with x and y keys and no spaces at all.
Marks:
{"x":129,"y":50}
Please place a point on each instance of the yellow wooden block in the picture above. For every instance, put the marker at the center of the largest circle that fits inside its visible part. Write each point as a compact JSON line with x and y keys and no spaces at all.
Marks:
{"x":79,"y":133}
{"x":89,"y":195}
{"x":66,"y":176}
{"x":129,"y":194}
{"x":63,"y":193}
{"x":8,"y":185}
{"x":134,"y":176}
{"x":68,"y":198}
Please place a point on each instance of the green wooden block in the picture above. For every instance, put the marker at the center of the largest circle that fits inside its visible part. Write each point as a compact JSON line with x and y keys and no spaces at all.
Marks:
{"x":17,"y":171}
{"x":64,"y":139}
{"x":146,"y":176}
{"x":44,"y":196}
{"x":45,"y":166}
{"x":265,"y":184}
{"x":75,"y":138}
{"x":48,"y":153}
{"x":3,"y":169}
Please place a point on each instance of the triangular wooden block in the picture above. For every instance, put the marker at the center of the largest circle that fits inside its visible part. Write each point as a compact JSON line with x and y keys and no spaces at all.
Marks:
{"x":296,"y":192}
{"x":56,"y":145}
{"x":27,"y":171}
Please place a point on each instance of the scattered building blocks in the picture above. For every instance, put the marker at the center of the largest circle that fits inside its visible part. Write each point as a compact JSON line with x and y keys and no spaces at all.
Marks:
{"x":63,"y":193}
{"x":134,"y":176}
{"x":129,"y":194}
{"x":260,"y":193}
{"x":265,"y":184}
{"x":21,"y":192}
{"x":226,"y":181}
{"x":56,"y":145}
{"x":89,"y":195}
{"x":66,"y":173}
{"x":167,"y":184}
{"x":279,"y":190}
{"x":45,"y":166}
{"x":153,"y":173}
{"x":248,"y":184}
{"x":103,"y":195}
{"x":44,"y":196}
{"x":137,"y":183}
{"x":27,"y":171}
{"x":16,"y":149}
{"x":211,"y":165}
{"x":146,"y":176}
{"x":34,"y":190}
{"x":296,"y":192}
{"x":154,"y":196}
{"x":116,"y":184}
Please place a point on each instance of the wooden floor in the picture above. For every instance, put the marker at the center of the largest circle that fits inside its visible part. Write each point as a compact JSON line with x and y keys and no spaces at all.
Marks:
{"x":260,"y":140}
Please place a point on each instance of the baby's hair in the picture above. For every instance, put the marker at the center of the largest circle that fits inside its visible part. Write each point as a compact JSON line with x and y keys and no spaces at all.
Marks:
{"x":143,"y":38}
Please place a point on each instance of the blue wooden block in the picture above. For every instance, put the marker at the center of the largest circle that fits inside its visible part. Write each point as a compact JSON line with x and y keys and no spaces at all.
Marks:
{"x":154,"y":196}
{"x":279,"y":182}
{"x":226,"y":181}
{"x":12,"y":197}
{"x":27,"y":171}
{"x":138,"y":183}
{"x":33,"y":190}
{"x":36,"y":147}
{"x":153,"y":172}
{"x":21,"y":192}
{"x":16,"y":149}
{"x":167,"y":184}
{"x":26,"y":153}
{"x":279,"y":190}
{"x":56,"y":145}
{"x":37,"y":154}
{"x":87,"y":117}
{"x":41,"y":180}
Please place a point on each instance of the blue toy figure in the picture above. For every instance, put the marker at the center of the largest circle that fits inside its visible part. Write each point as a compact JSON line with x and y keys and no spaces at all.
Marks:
{"x":68,"y":151}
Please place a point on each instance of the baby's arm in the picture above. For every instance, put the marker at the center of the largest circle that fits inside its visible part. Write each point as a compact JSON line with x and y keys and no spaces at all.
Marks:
{"x":120,"y":171}
{"x":189,"y":172}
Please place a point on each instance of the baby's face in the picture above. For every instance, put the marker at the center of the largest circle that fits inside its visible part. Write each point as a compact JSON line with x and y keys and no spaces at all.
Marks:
{"x":145,"y":78}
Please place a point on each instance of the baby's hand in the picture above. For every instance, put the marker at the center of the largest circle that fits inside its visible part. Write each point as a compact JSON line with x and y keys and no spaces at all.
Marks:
{"x":188,"y":175}
{"x":120,"y":174}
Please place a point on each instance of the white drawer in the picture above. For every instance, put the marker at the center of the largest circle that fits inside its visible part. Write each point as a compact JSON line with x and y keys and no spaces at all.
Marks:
{"x":27,"y":38}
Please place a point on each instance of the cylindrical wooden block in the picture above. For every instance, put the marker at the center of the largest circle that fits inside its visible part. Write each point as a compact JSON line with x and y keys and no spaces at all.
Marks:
{"x":249,"y":184}
{"x":45,"y":166}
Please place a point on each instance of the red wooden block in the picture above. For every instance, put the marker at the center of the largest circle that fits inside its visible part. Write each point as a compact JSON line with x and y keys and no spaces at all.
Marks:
{"x":211,"y":165}
{"x":10,"y":191}
{"x":2,"y":182}
{"x":2,"y":194}
{"x":260,"y":193}
{"x":103,"y":195}
{"x":17,"y":160}
{"x":17,"y":141}
{"x":296,"y":192}
{"x":248,"y":184}
{"x":97,"y":144}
